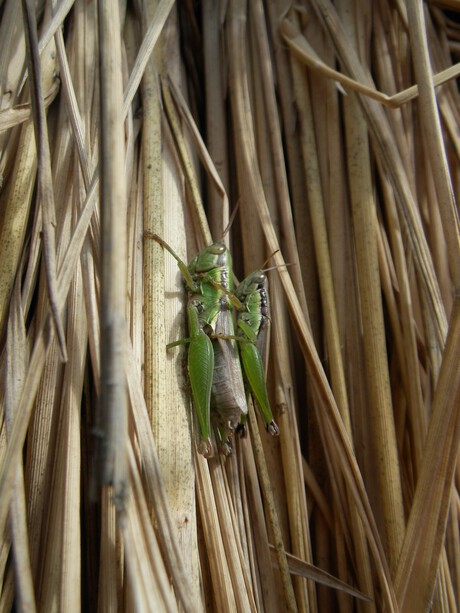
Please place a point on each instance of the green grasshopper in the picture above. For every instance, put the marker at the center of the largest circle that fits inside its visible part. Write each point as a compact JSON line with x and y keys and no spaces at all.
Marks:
{"x":214,"y":367}
{"x":253,"y":321}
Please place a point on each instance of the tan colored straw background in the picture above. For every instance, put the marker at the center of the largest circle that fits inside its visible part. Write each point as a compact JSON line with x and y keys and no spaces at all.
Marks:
{"x":334,"y":127}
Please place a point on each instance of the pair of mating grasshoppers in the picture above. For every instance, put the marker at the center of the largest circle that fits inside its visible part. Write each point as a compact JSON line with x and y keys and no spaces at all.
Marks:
{"x":216,"y":350}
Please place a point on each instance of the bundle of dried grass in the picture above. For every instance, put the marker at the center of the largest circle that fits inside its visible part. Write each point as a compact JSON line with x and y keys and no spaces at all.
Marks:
{"x":334,"y":128}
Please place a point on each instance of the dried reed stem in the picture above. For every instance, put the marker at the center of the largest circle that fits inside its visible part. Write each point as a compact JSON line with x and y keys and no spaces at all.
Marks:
{"x":348,"y":185}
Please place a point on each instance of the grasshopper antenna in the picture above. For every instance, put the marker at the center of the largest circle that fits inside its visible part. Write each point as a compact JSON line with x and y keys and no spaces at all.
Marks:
{"x":230,"y":221}
{"x":263,"y":269}
{"x":267,"y":260}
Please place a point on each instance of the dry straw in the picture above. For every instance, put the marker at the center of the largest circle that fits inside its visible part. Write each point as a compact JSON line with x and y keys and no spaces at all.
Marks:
{"x":333,"y":128}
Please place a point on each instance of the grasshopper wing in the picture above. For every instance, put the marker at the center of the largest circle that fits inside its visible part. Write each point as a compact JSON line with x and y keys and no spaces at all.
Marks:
{"x":228,"y":394}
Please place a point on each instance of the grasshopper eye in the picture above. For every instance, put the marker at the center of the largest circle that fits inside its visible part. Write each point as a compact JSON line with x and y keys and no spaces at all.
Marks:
{"x":217,"y":248}
{"x":259,"y":278}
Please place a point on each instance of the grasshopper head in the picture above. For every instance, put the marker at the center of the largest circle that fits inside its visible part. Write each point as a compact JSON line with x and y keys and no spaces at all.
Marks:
{"x":253,"y":283}
{"x":213,"y":256}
